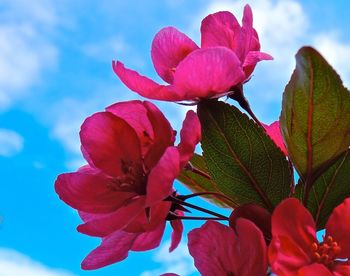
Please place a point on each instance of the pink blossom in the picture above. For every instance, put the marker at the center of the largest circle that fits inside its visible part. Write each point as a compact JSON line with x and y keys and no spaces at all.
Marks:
{"x":227,"y":57}
{"x":219,"y":250}
{"x":132,"y":163}
{"x":274,"y":132}
{"x":295,"y":250}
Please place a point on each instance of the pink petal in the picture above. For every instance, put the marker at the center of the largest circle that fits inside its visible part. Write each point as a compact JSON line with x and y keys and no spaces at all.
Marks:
{"x":169,"y":47}
{"x":251,"y":59}
{"x":162,"y":176}
{"x":314,"y":270}
{"x":104,"y":225}
{"x":136,"y":115}
{"x":247,"y":19}
{"x":149,"y":240}
{"x":114,"y":248}
{"x":110,"y":143}
{"x":146,"y":87}
{"x":220,"y":29}
{"x":212,"y":247}
{"x":148,"y":221}
{"x":191,"y":134}
{"x":291,"y":219}
{"x":286,"y":257}
{"x":176,"y":235}
{"x":208,"y":72}
{"x":338,"y":226}
{"x":249,"y":36}
{"x":341,"y":270}
{"x":248,"y":39}
{"x":89,"y":192}
{"x":274,"y":132}
{"x":250,"y":249}
{"x":163,"y":135}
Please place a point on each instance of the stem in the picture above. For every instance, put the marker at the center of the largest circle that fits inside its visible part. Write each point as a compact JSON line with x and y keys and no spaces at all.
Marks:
{"x":237,"y":95}
{"x":292,"y":184}
{"x":179,"y":201}
{"x":189,"y":167}
{"x":196,"y":218}
{"x":306,"y":192}
{"x":206,"y":193}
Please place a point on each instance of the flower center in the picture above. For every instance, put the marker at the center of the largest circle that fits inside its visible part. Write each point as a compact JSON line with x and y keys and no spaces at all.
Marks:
{"x":134,"y":179}
{"x":326,"y":251}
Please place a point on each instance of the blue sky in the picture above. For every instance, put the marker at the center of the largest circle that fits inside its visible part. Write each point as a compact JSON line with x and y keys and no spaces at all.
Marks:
{"x":55,"y":69}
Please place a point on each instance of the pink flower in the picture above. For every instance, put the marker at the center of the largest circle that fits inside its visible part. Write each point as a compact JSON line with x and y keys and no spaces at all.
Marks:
{"x":274,"y":132}
{"x":219,"y":250}
{"x":132,"y":163}
{"x":227,"y":58}
{"x":295,"y":250}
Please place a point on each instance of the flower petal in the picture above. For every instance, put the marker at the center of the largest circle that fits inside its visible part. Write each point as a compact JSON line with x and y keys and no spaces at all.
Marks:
{"x":251,"y":59}
{"x":89,"y":192}
{"x":169,"y":47}
{"x":314,"y":270}
{"x":208,"y":72}
{"x":220,"y":29}
{"x":249,"y":37}
{"x":291,"y":219}
{"x":163,"y":135}
{"x":341,"y":269}
{"x":212,"y":248}
{"x":338,"y":226}
{"x":176,"y":235}
{"x":149,"y":240}
{"x":104,"y":225}
{"x":146,"y":87}
{"x":190,"y":135}
{"x":274,"y":132}
{"x":162,"y":176}
{"x":150,"y":220}
{"x":286,"y":257}
{"x":250,"y":249}
{"x":110,"y":143}
{"x":293,"y":233}
{"x":114,"y":248}
{"x":135,"y":114}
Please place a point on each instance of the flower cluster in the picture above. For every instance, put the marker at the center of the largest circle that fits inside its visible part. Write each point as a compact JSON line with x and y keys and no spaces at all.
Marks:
{"x":125,"y":193}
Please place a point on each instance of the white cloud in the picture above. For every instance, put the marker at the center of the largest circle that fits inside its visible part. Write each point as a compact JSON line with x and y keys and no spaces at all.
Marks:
{"x":11,"y":142}
{"x":179,"y":261}
{"x":106,"y":50}
{"x":336,"y":53}
{"x":283,"y":27}
{"x":13,"y":263}
{"x":25,"y":48}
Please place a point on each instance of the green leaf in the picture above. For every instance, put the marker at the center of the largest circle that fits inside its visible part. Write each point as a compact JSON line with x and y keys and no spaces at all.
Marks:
{"x":244,"y":162}
{"x":329,"y":190}
{"x":315,"y":118}
{"x":199,"y":184}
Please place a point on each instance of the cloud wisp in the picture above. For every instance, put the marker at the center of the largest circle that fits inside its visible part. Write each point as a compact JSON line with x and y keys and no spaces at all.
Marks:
{"x":11,"y":143}
{"x":179,"y":261}
{"x":13,"y":263}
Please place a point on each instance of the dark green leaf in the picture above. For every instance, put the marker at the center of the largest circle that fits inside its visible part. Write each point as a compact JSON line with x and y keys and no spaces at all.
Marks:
{"x":244,"y":162}
{"x":199,"y":184}
{"x":315,"y":118}
{"x":329,"y":190}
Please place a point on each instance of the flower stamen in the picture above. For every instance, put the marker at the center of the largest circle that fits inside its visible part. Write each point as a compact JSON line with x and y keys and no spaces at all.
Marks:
{"x":326,"y":251}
